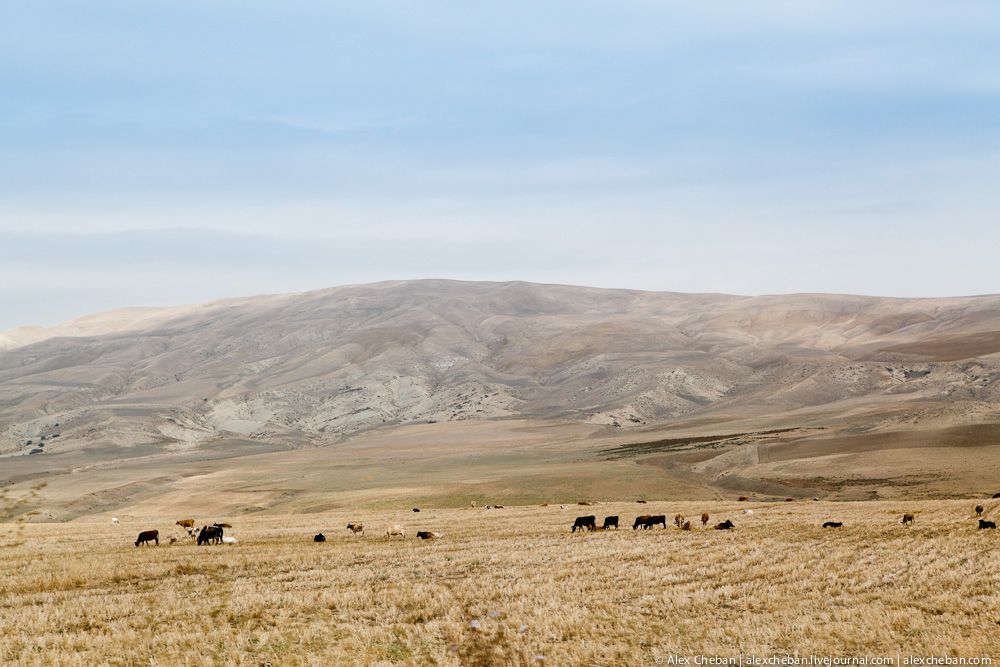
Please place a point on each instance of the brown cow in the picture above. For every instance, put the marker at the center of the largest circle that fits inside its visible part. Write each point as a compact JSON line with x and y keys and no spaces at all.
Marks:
{"x":979,"y":510}
{"x":678,"y":520}
{"x":356,"y":528}
{"x":725,"y":525}
{"x":640,"y":521}
{"x":686,"y":526}
{"x":704,"y":519}
{"x":186,"y":524}
{"x":147,"y":536}
{"x":742,"y":499}
{"x":907,"y":519}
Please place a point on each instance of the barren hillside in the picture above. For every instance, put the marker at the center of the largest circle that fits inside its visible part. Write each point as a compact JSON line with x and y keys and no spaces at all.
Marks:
{"x":312,"y":368}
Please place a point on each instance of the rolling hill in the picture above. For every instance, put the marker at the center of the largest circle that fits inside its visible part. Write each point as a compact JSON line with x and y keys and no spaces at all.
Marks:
{"x":320,"y":370}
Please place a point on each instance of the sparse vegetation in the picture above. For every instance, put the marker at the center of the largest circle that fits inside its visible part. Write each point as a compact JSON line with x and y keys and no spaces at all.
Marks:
{"x":503,"y":588}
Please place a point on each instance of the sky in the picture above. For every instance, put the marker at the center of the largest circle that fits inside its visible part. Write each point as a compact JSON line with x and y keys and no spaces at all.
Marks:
{"x":177,"y":152}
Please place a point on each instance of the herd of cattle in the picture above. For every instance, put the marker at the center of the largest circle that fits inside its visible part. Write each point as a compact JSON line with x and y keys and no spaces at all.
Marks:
{"x":209,"y":534}
{"x":215,"y":533}
{"x":646,"y":521}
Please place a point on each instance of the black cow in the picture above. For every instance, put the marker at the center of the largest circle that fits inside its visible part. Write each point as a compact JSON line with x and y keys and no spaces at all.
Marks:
{"x":416,"y":509}
{"x":657,"y":519}
{"x":427,"y":535}
{"x":610,"y":521}
{"x":983,"y":524}
{"x":996,"y":495}
{"x":588,"y":522}
{"x":725,"y":525}
{"x":147,"y":536}
{"x":319,"y":537}
{"x":640,"y":521}
{"x":210,"y":535}
{"x":833,"y":524}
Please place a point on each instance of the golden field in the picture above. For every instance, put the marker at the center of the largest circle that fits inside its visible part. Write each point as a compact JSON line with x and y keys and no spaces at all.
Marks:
{"x":80,"y":593}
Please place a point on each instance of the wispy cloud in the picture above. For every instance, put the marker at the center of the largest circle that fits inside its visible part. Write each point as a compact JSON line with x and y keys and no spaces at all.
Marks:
{"x":187,"y":150}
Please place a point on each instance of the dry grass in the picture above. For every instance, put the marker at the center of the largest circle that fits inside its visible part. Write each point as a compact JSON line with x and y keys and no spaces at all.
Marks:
{"x":80,"y":593}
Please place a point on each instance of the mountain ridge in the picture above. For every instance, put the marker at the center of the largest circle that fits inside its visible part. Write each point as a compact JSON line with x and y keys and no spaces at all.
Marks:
{"x":319,"y":366}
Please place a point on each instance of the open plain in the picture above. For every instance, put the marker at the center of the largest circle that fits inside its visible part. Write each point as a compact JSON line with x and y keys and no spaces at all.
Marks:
{"x":507,"y":586}
{"x":290,"y":415}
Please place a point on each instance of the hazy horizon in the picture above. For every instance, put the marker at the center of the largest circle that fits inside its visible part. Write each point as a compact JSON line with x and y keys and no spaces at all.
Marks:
{"x":156,"y":155}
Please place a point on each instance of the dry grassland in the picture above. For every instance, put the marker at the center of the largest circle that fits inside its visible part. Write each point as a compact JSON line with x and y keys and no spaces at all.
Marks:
{"x":80,"y":594}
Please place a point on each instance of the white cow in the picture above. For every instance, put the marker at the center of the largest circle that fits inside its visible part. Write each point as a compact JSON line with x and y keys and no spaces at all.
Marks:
{"x":226,"y":539}
{"x":395,"y":529}
{"x":114,"y":521}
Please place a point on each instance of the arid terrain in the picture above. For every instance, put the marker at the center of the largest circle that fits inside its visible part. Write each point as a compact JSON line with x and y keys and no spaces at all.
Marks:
{"x":507,"y":586}
{"x":290,"y":415}
{"x":438,"y":391}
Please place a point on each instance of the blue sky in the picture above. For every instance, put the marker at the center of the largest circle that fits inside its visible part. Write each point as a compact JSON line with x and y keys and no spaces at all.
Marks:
{"x":158,"y":153}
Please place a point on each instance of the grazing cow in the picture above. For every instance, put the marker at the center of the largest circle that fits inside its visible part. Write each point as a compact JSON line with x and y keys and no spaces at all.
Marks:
{"x":427,"y":535}
{"x":655,"y":519}
{"x":186,"y":524}
{"x":498,"y":507}
{"x":743,"y":499}
{"x":319,"y":537}
{"x":356,"y":528}
{"x":678,"y":520}
{"x":704,"y":519}
{"x":416,"y":509}
{"x":984,"y":524}
{"x":114,"y":521}
{"x":395,"y":529}
{"x":210,"y":535}
{"x":725,"y":525}
{"x":147,"y":536}
{"x":588,"y":522}
{"x":979,"y":510}
{"x":610,"y":521}
{"x":686,"y":525}
{"x":640,"y":521}
{"x":833,"y":524}
{"x":907,"y":519}
{"x":562,"y":507}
